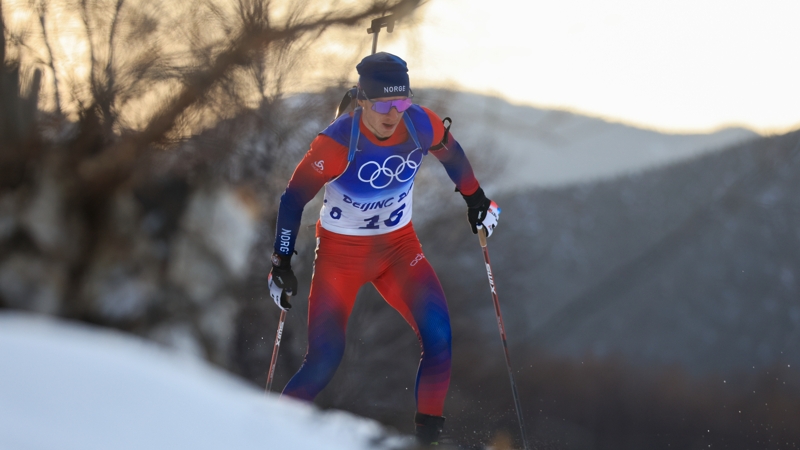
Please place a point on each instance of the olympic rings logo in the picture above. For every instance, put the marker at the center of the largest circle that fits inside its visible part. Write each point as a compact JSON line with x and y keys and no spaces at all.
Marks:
{"x":418,"y":258}
{"x":382,"y":176}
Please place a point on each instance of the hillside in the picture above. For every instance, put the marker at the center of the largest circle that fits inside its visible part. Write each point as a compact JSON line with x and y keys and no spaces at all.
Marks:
{"x":695,"y":264}
{"x":535,"y":147}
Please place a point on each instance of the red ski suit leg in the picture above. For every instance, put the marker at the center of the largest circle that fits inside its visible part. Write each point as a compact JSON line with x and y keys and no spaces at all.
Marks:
{"x":395,"y":264}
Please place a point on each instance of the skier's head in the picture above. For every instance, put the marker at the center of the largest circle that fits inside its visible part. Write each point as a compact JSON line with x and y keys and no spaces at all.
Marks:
{"x":383,"y":75}
{"x":384,"y":92}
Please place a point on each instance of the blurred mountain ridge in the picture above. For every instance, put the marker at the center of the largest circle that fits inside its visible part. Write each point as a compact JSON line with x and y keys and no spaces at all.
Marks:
{"x":540,"y":147}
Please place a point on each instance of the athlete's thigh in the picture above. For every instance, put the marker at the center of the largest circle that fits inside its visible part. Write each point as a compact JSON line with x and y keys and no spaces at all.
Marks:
{"x":334,"y":285}
{"x":411,"y":286}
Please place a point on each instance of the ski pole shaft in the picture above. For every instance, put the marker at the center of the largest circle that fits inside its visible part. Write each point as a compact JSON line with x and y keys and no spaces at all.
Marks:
{"x":499,"y":315}
{"x":275,"y":349}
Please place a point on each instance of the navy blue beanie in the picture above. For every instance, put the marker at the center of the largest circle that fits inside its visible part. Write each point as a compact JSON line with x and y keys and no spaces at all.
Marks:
{"x":383,"y":75}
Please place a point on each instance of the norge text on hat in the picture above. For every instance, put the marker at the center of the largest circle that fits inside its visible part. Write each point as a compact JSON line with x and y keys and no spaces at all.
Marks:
{"x":383,"y":75}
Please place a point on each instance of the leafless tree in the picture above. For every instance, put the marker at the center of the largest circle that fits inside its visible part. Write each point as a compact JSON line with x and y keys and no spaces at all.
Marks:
{"x":121,"y":82}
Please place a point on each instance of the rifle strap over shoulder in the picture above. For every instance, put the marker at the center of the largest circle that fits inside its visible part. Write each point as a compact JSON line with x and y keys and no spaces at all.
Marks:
{"x":449,"y":123}
{"x":354,"y":134}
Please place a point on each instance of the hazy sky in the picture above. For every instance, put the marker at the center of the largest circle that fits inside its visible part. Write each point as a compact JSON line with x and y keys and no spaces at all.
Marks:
{"x":673,"y":65}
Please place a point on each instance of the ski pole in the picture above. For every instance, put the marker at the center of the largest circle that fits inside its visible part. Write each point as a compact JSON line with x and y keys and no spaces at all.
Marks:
{"x":275,"y":349}
{"x":496,"y":300}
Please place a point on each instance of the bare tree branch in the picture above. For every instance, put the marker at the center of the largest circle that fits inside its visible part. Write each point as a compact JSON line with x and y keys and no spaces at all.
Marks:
{"x":112,"y":167}
{"x":41,"y":10}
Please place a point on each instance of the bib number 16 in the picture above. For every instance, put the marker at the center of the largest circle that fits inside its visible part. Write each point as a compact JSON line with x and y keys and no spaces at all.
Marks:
{"x":394,"y":219}
{"x":373,"y":223}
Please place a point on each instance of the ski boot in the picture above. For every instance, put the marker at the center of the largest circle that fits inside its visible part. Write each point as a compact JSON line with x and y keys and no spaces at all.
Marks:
{"x":428,"y":428}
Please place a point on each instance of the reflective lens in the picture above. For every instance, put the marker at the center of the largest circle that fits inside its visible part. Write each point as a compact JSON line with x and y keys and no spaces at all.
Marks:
{"x":385,"y":107}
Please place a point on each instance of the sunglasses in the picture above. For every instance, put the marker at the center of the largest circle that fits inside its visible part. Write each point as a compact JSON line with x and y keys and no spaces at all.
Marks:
{"x":385,"y":107}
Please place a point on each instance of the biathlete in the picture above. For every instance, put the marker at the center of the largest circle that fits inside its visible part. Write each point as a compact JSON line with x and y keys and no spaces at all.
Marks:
{"x":367,"y":162}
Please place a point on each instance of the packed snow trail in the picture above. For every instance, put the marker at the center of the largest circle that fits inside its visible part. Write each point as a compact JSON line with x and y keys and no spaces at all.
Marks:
{"x":67,"y":386}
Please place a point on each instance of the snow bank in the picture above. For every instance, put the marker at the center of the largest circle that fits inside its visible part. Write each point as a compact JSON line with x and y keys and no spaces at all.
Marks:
{"x":69,"y":386}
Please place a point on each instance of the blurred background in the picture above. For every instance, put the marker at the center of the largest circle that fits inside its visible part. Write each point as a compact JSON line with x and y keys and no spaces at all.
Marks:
{"x":646,"y":159}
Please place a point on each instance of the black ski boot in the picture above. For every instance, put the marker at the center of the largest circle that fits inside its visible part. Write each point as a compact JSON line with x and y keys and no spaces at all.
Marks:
{"x":428,"y":428}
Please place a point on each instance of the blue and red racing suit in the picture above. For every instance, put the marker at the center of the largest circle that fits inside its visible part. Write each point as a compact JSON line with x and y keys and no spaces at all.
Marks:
{"x":365,"y":234}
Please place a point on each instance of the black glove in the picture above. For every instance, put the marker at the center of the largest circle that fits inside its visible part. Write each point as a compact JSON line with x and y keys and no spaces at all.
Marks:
{"x":477,"y":207}
{"x":282,"y":281}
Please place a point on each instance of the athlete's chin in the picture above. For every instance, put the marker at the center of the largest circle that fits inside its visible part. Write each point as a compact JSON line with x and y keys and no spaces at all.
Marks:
{"x":387,"y":130}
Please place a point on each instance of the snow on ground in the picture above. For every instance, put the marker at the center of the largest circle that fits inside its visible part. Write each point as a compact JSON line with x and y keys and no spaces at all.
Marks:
{"x":66,"y":386}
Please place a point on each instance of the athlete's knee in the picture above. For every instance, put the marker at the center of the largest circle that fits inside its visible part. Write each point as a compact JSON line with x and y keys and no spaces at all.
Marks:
{"x":436,"y":335}
{"x":317,"y":371}
{"x":324,"y":358}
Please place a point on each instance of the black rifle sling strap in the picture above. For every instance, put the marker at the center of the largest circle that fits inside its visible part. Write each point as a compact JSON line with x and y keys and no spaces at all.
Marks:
{"x":347,"y":100}
{"x":448,"y":121}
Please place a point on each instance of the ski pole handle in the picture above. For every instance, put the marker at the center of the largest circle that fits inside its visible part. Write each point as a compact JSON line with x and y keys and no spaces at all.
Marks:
{"x":482,"y":236}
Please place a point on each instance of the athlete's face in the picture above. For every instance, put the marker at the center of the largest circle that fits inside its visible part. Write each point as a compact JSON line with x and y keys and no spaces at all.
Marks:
{"x":382,"y":125}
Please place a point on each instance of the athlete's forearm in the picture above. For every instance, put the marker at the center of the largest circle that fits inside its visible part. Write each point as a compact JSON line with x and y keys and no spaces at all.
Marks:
{"x":303,"y":186}
{"x":457,"y":166}
{"x":288,"y":224}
